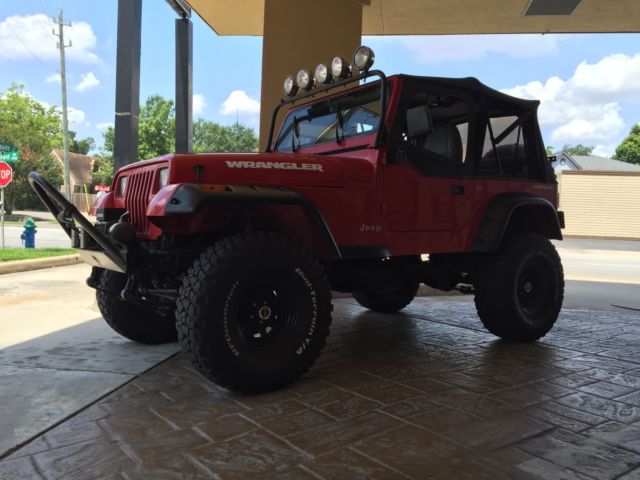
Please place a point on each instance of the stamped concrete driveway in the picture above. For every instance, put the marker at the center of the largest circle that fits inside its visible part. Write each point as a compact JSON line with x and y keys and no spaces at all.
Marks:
{"x":57,"y":355}
{"x":426,"y":393}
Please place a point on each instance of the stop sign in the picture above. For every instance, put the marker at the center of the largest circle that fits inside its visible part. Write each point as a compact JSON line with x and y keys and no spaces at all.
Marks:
{"x":6,"y":174}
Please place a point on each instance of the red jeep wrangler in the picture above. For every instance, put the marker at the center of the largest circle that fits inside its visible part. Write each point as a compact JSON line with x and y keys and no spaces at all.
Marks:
{"x":236,"y":255}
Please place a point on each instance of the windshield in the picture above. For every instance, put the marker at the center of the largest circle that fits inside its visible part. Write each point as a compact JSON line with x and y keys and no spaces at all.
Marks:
{"x":352,"y":115}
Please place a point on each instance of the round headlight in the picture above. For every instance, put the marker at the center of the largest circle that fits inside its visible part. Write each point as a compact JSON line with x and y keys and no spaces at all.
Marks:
{"x":303,"y":80}
{"x":322,"y":74}
{"x":363,"y":58}
{"x":340,"y":68}
{"x":289,"y":86}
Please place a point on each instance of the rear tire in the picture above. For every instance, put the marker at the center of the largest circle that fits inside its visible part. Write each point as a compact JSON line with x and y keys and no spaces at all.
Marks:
{"x":254,"y":312}
{"x":130,"y":320}
{"x":390,"y":299}
{"x":519,"y":289}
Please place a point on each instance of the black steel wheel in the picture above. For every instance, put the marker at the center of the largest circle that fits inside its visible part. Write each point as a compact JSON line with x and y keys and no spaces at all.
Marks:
{"x":254,"y":311}
{"x":519,"y":290}
{"x":132,"y":321}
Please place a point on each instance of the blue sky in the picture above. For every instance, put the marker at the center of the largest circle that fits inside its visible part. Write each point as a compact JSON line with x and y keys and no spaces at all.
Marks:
{"x":589,"y":84}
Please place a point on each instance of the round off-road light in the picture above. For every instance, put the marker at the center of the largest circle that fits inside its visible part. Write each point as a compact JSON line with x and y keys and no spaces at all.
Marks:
{"x":322,"y":74}
{"x":340,"y":68}
{"x":363,"y":58}
{"x":303,"y":80}
{"x":289,"y":86}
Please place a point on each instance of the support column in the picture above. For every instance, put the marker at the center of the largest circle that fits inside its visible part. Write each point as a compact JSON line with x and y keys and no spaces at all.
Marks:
{"x":125,"y":149}
{"x":300,"y":34}
{"x":184,"y":88}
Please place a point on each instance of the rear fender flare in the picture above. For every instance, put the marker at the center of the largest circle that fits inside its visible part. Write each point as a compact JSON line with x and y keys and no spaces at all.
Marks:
{"x":506,"y":208}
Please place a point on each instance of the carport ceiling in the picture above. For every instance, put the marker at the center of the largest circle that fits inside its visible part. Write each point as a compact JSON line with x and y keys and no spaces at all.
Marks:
{"x":425,"y":17}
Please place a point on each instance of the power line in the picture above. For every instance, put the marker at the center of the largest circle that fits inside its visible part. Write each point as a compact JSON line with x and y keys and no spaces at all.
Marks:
{"x":24,"y":44}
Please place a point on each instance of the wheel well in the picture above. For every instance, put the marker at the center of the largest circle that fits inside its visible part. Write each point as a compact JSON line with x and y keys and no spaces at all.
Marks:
{"x":515,"y":213}
{"x":533,"y":219}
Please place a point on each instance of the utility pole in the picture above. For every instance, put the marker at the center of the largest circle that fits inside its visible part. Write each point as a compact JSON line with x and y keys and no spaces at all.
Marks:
{"x":63,"y":82}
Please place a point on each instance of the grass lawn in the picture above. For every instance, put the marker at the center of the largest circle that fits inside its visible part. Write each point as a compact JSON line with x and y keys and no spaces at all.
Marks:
{"x":9,"y":254}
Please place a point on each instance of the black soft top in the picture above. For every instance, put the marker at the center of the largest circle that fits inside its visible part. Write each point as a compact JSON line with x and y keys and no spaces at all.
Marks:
{"x":474,"y":85}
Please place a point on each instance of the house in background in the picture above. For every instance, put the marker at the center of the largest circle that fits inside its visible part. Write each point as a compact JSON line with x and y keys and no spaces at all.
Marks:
{"x":80,"y":175}
{"x":600,"y":197}
{"x":565,"y":161}
{"x":80,"y":169}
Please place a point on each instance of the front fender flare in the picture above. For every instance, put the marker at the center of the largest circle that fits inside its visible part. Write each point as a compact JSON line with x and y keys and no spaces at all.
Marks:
{"x":189,"y":198}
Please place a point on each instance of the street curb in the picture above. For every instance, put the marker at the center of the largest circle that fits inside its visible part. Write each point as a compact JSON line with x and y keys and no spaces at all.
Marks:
{"x":38,"y":263}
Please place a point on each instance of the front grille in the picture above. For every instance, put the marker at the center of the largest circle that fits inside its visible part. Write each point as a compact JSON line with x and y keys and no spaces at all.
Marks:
{"x":136,"y":199}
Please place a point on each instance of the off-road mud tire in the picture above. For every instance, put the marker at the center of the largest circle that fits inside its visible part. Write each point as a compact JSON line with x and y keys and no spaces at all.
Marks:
{"x":390,"y":299}
{"x":254,"y":311}
{"x":132,"y":321}
{"x":519,"y":289}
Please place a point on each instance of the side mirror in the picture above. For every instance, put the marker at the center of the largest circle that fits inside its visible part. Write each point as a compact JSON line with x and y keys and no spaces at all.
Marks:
{"x":419,"y":121}
{"x":552,"y":158}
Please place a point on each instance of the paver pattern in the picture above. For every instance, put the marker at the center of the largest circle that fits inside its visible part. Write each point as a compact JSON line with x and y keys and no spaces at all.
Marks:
{"x":426,"y":393}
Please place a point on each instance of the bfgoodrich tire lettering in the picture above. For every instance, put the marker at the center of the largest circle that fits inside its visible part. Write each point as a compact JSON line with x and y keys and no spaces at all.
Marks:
{"x":519,"y":290}
{"x":254,"y":311}
{"x":130,"y":320}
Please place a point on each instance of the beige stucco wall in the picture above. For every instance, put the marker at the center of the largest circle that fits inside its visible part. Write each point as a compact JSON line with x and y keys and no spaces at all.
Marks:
{"x":299,"y":34}
{"x":600,"y":204}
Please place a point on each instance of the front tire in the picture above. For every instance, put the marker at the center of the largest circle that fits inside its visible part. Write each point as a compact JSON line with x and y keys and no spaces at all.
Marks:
{"x":519,"y":290}
{"x":128,"y":319}
{"x":390,"y":299}
{"x":253,"y":312}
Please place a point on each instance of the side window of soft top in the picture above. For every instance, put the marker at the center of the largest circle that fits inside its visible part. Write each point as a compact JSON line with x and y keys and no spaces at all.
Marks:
{"x":505,"y":151}
{"x":442,"y":149}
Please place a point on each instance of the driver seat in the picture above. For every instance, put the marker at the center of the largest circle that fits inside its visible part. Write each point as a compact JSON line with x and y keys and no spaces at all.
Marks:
{"x":445,"y":141}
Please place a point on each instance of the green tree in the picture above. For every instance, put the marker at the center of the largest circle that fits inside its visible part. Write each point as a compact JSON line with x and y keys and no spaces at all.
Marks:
{"x":157,"y":133}
{"x":156,"y":129}
{"x":35,"y":130}
{"x":629,"y":150}
{"x":577,"y":149}
{"x":103,"y":170}
{"x":213,"y":137}
{"x":83,"y":146}
{"x":549,"y":150}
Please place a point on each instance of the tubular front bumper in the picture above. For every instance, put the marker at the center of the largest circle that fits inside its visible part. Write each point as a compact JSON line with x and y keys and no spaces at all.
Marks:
{"x":94,"y":247}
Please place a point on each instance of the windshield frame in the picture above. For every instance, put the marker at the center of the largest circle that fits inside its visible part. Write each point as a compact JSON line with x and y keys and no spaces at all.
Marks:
{"x":346,"y":81}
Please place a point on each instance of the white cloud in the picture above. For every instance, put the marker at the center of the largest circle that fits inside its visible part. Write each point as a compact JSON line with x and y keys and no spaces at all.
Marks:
{"x":199,"y":104}
{"x":604,"y":150}
{"x":585,"y":108}
{"x":23,"y":37}
{"x":239,"y":102}
{"x":104,"y":125}
{"x":436,"y":48}
{"x":76,"y":117}
{"x":89,"y":81}
{"x":53,"y":78}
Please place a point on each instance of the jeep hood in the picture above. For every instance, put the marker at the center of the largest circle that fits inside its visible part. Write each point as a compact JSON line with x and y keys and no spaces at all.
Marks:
{"x":282,"y":169}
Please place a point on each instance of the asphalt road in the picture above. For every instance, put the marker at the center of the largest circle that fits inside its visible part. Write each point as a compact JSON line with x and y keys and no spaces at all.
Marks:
{"x":47,"y":236}
{"x":608,"y":261}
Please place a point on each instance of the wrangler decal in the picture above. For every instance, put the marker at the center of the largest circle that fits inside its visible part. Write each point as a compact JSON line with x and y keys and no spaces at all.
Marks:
{"x":316,"y":167}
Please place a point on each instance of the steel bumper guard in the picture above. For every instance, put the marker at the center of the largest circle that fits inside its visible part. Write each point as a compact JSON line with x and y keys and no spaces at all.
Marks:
{"x":94,"y":247}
